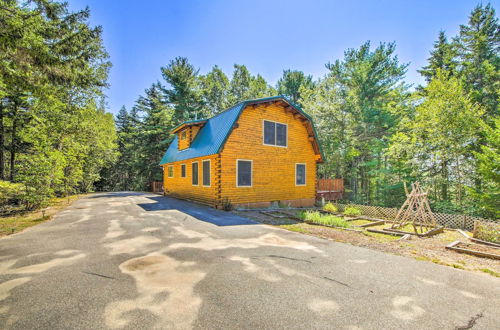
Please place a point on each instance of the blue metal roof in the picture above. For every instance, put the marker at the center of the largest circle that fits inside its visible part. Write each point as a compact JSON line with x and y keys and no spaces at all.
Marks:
{"x":209,"y":139}
{"x":214,"y":133}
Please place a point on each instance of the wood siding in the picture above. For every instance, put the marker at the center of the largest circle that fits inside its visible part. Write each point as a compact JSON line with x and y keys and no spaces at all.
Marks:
{"x":273,"y":169}
{"x":191,"y":132}
{"x":178,"y":186}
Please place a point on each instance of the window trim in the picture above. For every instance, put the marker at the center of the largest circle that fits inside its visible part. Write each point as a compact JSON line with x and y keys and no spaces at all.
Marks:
{"x":251,"y":173}
{"x":198,"y":174}
{"x":185,"y":171}
{"x":168,"y":171}
{"x":203,"y":174}
{"x":275,"y":133}
{"x":305,"y":174}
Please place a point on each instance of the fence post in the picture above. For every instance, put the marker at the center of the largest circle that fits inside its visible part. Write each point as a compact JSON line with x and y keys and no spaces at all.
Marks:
{"x":464,"y":226}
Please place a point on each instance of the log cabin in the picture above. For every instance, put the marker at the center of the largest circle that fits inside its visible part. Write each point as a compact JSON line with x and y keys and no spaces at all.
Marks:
{"x":255,"y":154}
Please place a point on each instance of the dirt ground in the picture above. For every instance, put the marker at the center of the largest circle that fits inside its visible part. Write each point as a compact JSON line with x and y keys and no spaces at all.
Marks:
{"x":426,"y":249}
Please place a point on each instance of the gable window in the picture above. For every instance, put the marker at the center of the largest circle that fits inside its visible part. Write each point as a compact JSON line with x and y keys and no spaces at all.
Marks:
{"x":183,"y":170}
{"x":183,"y":135}
{"x":194,"y":173}
{"x":171,"y":171}
{"x":300,"y":174}
{"x":244,"y":173}
{"x":206,"y":173}
{"x":275,"y":134}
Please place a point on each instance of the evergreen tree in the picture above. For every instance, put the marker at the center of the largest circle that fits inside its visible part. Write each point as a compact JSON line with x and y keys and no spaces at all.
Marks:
{"x":443,"y":57}
{"x":215,"y":91}
{"x":183,"y":92}
{"x":292,"y":84}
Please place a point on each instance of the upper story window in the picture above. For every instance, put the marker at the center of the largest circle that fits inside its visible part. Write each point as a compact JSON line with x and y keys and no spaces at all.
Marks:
{"x":183,"y":135}
{"x":275,"y":134}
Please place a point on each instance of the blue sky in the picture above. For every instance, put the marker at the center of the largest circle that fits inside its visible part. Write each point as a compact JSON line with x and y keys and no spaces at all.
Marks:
{"x":267,"y":36}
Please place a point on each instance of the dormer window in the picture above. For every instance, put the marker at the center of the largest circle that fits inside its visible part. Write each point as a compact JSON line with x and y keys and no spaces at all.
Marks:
{"x":275,"y":134}
{"x":183,"y":135}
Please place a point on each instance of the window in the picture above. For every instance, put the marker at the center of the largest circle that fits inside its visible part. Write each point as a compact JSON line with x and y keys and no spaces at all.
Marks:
{"x":183,"y":170}
{"x":275,"y":134}
{"x":194,"y":173}
{"x":300,"y":174}
{"x":183,"y":135}
{"x":206,"y":173}
{"x":171,"y":171}
{"x":244,"y":173}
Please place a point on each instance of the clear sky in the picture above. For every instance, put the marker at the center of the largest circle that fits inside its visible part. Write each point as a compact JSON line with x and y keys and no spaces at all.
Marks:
{"x":267,"y":36}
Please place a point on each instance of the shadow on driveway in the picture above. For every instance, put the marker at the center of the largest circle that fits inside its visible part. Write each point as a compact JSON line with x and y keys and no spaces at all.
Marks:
{"x":200,"y":212}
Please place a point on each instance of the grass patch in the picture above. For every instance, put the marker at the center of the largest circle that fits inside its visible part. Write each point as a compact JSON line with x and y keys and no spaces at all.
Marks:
{"x":381,"y":237}
{"x":359,"y":222}
{"x":14,"y":224}
{"x":489,"y":271}
{"x":352,"y":211}
{"x":295,"y":227}
{"x":320,"y":219}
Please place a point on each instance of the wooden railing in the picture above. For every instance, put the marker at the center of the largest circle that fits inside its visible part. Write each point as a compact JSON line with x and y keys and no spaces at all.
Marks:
{"x":156,"y":186}
{"x":330,"y":189}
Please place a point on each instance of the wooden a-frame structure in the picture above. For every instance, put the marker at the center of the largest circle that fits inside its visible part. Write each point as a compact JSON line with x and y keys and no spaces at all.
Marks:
{"x":417,"y":211}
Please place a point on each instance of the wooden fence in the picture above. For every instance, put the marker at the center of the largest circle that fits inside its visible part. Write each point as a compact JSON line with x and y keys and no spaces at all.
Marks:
{"x":156,"y":186}
{"x":330,"y":189}
{"x":444,"y":219}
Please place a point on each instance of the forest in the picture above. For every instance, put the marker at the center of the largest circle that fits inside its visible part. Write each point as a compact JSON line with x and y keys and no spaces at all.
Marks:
{"x":377,"y":131}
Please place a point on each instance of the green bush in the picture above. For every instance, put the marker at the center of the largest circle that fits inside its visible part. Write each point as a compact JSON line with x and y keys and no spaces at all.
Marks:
{"x":329,"y":207}
{"x":10,"y":193}
{"x":352,"y":211}
{"x":487,"y":232}
{"x":318,"y":218}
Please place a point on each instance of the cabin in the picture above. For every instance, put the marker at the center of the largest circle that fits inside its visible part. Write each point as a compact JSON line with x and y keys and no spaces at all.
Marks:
{"x":255,"y":154}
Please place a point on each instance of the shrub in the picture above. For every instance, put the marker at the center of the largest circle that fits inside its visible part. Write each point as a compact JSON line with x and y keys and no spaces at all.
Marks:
{"x":227,"y":205}
{"x":328,"y":220}
{"x":10,"y":193}
{"x":487,"y":231}
{"x":329,"y":207}
{"x":352,"y":211}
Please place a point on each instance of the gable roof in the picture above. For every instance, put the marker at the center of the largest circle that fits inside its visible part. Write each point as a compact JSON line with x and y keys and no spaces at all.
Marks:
{"x":214,"y":133}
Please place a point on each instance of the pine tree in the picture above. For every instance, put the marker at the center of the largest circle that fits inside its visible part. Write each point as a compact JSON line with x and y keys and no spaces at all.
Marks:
{"x":291,"y":83}
{"x":215,"y":91}
{"x":443,"y":57}
{"x":182,"y":91}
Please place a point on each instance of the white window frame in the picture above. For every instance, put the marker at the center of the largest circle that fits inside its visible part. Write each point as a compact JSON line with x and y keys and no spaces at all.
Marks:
{"x":305,"y":174}
{"x":275,"y":135}
{"x":209,"y":172}
{"x":198,"y":163}
{"x":185,"y":171}
{"x":168,"y":171}
{"x":251,"y":173}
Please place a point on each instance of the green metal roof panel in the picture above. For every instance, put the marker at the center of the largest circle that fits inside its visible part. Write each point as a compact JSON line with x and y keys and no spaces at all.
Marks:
{"x":210,"y":138}
{"x":214,"y":134}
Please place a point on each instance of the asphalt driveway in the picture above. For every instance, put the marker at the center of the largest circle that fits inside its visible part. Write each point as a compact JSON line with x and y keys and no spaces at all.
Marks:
{"x":140,"y":261}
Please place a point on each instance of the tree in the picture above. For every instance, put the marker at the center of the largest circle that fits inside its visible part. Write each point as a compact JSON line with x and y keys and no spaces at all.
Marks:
{"x":244,"y":86}
{"x":367,"y":93}
{"x":443,"y":57}
{"x":293,"y":83}
{"x":183,"y":94}
{"x":436,"y":140}
{"x":215,"y":91}
{"x":489,"y":170}
{"x":479,"y":54}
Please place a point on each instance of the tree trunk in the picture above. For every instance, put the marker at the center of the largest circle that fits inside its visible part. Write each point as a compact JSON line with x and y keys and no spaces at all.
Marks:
{"x":13,"y":144}
{"x":2,"y":142}
{"x":444,"y":183}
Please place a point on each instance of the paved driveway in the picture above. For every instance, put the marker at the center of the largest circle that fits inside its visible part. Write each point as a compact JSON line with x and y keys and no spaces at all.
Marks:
{"x":139,"y":261}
